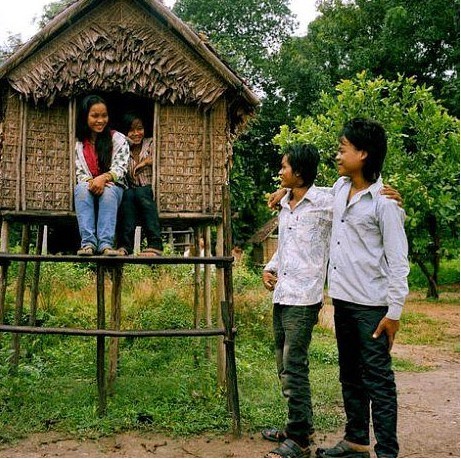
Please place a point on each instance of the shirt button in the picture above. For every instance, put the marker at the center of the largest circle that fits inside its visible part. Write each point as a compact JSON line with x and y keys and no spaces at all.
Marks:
{"x":338,"y":242}
{"x":334,"y":267}
{"x":342,"y":220}
{"x":284,"y":274}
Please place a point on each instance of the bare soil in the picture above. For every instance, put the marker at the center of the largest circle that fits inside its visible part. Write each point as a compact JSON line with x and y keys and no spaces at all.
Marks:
{"x":429,"y":414}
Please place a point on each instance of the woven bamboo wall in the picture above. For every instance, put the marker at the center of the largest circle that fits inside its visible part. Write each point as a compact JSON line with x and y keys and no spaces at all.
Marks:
{"x":192,"y":158}
{"x":35,"y":164}
{"x":10,"y":154}
{"x":47,"y":166}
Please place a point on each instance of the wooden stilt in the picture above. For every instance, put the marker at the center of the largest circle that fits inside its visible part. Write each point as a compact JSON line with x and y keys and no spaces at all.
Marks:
{"x":36,"y":278}
{"x":100,"y":351}
{"x":207,"y":287}
{"x":115,"y":316}
{"x":3,"y":269}
{"x":20,"y":286}
{"x":228,"y":319}
{"x":220,"y":355}
{"x":197,"y":279}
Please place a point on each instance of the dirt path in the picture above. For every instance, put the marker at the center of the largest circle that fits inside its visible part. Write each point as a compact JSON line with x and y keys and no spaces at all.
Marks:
{"x":429,"y":415}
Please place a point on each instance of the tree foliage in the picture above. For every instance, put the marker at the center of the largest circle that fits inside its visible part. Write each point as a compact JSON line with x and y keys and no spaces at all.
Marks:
{"x":384,"y":37}
{"x":422,"y":160}
{"x":246,"y":33}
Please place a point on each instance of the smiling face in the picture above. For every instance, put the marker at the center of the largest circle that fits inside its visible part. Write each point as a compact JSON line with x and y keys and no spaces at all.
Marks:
{"x":348,"y":159}
{"x":97,"y":118}
{"x":136,"y":132}
{"x":288,"y":178}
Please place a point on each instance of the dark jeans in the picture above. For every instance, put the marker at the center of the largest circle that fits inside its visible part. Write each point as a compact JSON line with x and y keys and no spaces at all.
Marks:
{"x":138,"y":205}
{"x":366,"y":377}
{"x":292,"y":332}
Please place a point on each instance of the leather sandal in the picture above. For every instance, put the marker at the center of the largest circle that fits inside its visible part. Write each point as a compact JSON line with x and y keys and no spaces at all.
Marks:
{"x":289,"y":448}
{"x":342,"y":449}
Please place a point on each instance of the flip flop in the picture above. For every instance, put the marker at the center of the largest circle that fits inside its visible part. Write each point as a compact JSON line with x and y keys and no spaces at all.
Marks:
{"x":289,"y":448}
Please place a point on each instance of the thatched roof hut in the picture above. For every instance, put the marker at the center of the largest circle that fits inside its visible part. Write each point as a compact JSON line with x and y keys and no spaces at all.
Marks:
{"x":136,"y":54}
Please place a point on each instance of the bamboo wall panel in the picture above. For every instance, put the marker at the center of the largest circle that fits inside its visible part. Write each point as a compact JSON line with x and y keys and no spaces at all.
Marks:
{"x":180,"y":164}
{"x":47,"y":167}
{"x":9,"y":154}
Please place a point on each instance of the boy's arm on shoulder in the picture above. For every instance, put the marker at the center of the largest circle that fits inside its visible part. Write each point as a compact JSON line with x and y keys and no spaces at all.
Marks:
{"x":391,"y":193}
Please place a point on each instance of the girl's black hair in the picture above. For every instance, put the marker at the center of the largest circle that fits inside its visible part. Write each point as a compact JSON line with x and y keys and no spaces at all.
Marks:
{"x":103,"y":145}
{"x":127,"y":121}
{"x":304,"y":160}
{"x":368,"y":135}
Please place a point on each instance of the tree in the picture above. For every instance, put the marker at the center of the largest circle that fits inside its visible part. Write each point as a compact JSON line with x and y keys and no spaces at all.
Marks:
{"x":422,"y":160}
{"x":246,"y":33}
{"x":13,"y":43}
{"x":384,"y":37}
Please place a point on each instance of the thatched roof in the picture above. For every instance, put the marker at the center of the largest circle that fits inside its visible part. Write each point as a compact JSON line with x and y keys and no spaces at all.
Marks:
{"x":264,"y":232}
{"x":124,"y":46}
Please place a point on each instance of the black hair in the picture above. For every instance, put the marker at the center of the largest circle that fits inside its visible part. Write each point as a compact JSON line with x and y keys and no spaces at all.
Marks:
{"x":127,"y":121}
{"x":103,"y":145}
{"x":368,"y":135}
{"x":304,"y":160}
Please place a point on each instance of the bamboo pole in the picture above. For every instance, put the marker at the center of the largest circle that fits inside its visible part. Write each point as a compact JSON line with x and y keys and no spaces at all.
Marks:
{"x":227,"y":308}
{"x":100,"y":357}
{"x":20,"y":285}
{"x":23,"y":154}
{"x":3,"y":268}
{"x":115,"y":318}
{"x":220,"y":354}
{"x":207,"y":288}
{"x":197,"y":279}
{"x":36,"y":278}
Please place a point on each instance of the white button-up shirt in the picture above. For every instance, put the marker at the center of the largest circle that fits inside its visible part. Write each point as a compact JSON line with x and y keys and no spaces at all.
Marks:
{"x":369,"y":249}
{"x":302,"y":253}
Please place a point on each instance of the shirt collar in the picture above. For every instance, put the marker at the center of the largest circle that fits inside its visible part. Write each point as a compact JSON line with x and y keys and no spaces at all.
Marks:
{"x":310,"y":195}
{"x":373,"y":189}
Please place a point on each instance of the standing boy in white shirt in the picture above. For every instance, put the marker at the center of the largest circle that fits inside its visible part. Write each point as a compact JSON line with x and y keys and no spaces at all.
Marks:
{"x":367,"y":277}
{"x":297,"y":274}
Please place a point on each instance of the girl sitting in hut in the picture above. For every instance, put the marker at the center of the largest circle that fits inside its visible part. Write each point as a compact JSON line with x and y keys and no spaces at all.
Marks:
{"x":101,"y":164}
{"x":138,"y":202}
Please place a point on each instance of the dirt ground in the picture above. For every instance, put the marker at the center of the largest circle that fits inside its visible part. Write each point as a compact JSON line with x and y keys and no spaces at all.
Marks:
{"x":429,"y":415}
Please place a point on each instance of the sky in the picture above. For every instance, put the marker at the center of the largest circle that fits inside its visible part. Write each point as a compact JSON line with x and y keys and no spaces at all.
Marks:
{"x":17,"y":16}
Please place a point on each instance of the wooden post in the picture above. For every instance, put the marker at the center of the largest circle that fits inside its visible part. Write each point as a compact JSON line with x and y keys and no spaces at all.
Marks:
{"x":36,"y":278}
{"x":3,"y":269}
{"x":207,"y":287}
{"x":220,"y":355}
{"x":197,"y":279}
{"x":20,"y":294}
{"x":100,"y":357}
{"x":115,"y":316}
{"x":227,"y":308}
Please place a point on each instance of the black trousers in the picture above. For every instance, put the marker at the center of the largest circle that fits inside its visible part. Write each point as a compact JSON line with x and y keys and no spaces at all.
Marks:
{"x":138,"y":205}
{"x":366,"y":376}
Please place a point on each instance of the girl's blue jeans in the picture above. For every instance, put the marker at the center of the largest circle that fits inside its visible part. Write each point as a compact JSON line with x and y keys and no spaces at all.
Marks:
{"x":97,"y":215}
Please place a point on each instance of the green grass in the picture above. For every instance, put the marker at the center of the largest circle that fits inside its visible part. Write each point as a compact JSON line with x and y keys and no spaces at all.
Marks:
{"x":163,"y":384}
